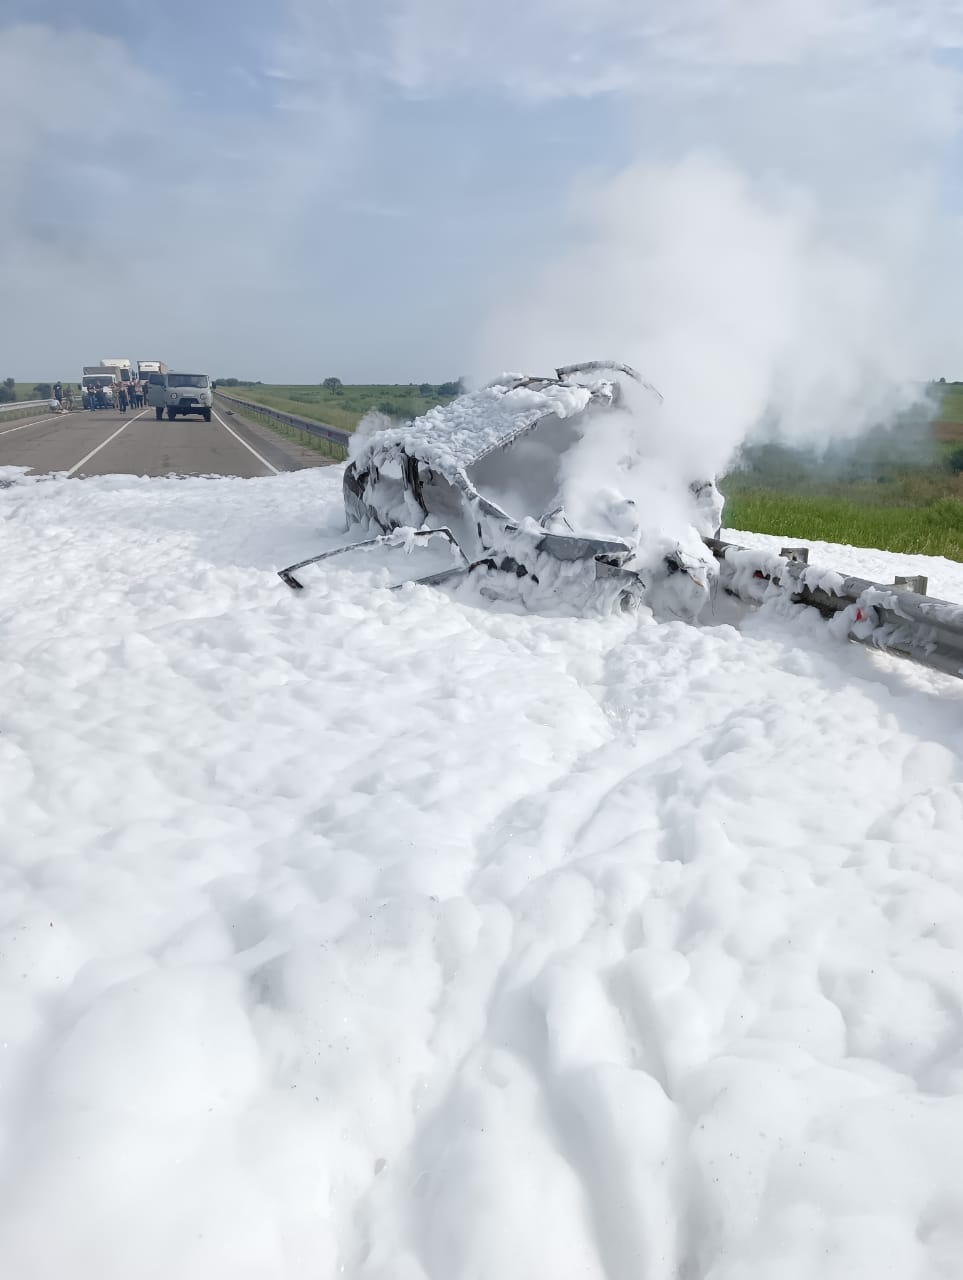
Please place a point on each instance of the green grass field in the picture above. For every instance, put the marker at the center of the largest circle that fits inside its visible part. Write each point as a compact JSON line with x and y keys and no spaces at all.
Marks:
{"x":900,"y":490}
{"x":951,"y":404}
{"x":935,"y":529}
{"x":24,"y":390}
{"x":343,"y":409}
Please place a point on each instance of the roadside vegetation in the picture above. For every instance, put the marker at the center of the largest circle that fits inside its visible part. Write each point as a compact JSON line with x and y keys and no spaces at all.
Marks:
{"x":327,"y":448}
{"x":899,"y":489}
{"x":932,"y":530}
{"x":10,"y":390}
{"x":12,"y":393}
{"x":343,"y":405}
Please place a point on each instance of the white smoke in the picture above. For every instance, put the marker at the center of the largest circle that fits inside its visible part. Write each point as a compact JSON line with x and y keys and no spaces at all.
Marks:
{"x":370,"y":424}
{"x":621,"y":480}
{"x":750,"y":307}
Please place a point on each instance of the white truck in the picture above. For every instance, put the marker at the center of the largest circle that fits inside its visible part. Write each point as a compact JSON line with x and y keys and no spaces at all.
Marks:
{"x":146,"y":367}
{"x":179,"y":393}
{"x":99,"y":377}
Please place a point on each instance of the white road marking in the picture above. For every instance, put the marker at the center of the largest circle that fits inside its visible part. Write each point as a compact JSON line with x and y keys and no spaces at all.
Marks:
{"x":23,"y":426}
{"x":264,"y":462}
{"x":105,"y":443}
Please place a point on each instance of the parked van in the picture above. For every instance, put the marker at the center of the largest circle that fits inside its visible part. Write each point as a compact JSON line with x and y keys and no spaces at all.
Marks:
{"x":180,"y":393}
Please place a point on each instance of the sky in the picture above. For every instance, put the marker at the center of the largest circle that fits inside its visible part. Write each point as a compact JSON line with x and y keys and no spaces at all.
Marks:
{"x":408,"y":190}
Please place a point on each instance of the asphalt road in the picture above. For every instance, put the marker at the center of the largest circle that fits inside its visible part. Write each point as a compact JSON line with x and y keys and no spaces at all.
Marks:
{"x":111,"y":443}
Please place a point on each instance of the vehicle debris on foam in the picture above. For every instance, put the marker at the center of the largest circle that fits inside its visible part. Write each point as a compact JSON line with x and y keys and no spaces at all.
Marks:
{"x":493,"y":473}
{"x":462,"y":433}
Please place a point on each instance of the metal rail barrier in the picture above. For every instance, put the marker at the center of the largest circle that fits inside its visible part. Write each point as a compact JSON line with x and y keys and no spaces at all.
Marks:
{"x":899,"y":618}
{"x":319,"y":429}
{"x":11,"y":406}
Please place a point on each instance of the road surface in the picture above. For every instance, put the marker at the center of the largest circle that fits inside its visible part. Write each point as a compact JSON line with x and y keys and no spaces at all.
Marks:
{"x":111,"y":443}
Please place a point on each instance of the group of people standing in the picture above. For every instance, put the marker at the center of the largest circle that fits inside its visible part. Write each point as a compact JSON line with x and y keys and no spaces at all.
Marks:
{"x":123,"y":396}
{"x":64,"y":396}
{"x":131,"y":395}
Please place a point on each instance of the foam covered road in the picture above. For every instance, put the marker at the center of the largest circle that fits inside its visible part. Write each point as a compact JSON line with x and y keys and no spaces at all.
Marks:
{"x":381,"y":934}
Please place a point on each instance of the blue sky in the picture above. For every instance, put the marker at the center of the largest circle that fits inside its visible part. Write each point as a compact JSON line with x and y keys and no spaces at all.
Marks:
{"x":380,"y":189}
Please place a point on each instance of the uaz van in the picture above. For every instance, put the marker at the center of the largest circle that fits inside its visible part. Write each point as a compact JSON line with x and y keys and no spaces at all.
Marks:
{"x":180,"y":393}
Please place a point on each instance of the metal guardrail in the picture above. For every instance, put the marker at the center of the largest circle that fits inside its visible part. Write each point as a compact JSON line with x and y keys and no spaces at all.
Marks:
{"x":896,"y":617}
{"x":12,"y":405}
{"x":320,"y":429}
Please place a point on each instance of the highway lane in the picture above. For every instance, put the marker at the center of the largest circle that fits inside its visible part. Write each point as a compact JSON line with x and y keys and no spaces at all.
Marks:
{"x":110,"y":443}
{"x":10,"y":425}
{"x":57,"y":443}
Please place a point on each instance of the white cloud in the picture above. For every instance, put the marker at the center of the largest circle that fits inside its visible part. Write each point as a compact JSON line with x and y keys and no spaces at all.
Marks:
{"x":818,"y":111}
{"x":548,"y":48}
{"x":119,"y":196}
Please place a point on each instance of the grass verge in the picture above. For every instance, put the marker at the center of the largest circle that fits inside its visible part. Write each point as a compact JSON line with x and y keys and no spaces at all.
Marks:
{"x":344,"y":408}
{"x":933,"y":529}
{"x":326,"y":448}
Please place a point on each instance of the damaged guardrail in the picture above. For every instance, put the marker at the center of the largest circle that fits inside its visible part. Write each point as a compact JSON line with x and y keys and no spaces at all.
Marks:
{"x":899,"y":618}
{"x":319,"y":429}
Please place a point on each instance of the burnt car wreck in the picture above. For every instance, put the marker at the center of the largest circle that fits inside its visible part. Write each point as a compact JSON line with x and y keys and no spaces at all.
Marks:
{"x":496,"y":482}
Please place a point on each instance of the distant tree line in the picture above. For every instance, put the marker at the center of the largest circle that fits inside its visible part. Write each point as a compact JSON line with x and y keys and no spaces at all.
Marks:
{"x":428,"y":389}
{"x":442,"y":389}
{"x":8,"y":391}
